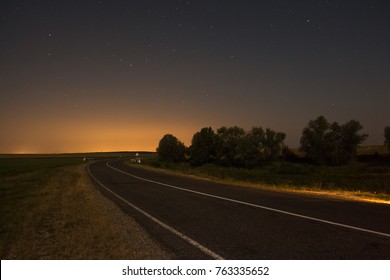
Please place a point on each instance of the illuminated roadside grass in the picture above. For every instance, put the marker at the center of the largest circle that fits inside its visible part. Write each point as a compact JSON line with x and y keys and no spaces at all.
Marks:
{"x":332,"y":191}
{"x":331,"y":194}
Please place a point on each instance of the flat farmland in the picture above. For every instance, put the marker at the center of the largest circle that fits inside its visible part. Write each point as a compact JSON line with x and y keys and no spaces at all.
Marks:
{"x":50,"y":210}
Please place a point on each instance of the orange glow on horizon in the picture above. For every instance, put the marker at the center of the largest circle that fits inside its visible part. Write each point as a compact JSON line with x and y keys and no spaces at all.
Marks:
{"x":100,"y":136}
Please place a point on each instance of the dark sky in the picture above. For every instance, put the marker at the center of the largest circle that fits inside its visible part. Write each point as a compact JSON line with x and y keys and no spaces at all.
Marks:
{"x":118,"y":75}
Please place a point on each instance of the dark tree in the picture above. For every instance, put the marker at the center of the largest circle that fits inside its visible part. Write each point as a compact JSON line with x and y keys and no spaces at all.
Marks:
{"x":170,"y":149}
{"x":235,"y":147}
{"x":228,"y":142}
{"x":273,"y":144}
{"x":259,"y":146}
{"x":350,"y":139}
{"x":387,"y":138}
{"x":203,"y":147}
{"x":314,"y":140}
{"x":326,"y":143}
{"x":250,"y":148}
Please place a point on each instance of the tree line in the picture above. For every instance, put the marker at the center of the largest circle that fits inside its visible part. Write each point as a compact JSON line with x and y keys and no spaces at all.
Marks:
{"x":321,"y":142}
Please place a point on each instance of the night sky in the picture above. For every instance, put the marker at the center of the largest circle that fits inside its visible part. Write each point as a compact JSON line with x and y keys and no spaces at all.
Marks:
{"x":80,"y":76}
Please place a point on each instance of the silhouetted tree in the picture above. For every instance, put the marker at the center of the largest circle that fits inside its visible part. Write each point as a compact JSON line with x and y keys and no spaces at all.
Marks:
{"x":326,"y":143}
{"x":273,"y":144}
{"x":387,"y":138}
{"x":250,"y":148}
{"x":170,"y":149}
{"x":350,"y":139}
{"x":228,"y":141}
{"x":203,"y":147}
{"x":314,"y":140}
{"x":258,"y":146}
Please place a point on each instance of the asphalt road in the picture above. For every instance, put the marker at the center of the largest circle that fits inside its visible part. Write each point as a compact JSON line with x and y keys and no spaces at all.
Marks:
{"x":199,"y":219}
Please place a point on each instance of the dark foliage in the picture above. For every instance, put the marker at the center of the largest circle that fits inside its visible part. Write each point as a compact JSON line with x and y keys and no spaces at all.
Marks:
{"x":203,"y":147}
{"x":387,"y":137}
{"x":233,"y":146}
{"x":170,"y":149}
{"x":331,"y":143}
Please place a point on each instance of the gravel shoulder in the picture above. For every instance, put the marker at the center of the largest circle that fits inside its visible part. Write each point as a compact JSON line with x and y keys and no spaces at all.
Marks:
{"x":137,"y":240}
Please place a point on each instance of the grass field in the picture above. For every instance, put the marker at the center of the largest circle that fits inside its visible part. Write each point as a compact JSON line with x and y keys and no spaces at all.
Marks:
{"x":50,"y":210}
{"x":368,"y":178}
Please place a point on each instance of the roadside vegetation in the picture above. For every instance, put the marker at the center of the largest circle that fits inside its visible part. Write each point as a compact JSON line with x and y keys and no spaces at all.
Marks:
{"x":50,"y":210}
{"x":330,"y":159}
{"x":370,"y":179}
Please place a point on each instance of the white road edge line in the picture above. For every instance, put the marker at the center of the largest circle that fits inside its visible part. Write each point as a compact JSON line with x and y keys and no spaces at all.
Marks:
{"x":255,"y":205}
{"x":154,"y":219}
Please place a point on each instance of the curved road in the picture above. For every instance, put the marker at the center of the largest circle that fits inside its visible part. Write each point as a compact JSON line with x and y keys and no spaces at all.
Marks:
{"x":198,"y":219}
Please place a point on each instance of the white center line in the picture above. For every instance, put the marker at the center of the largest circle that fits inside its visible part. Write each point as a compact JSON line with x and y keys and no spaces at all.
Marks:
{"x":255,"y":205}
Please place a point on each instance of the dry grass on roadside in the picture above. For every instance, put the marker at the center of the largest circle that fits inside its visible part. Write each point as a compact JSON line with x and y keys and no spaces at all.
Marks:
{"x":58,"y":214}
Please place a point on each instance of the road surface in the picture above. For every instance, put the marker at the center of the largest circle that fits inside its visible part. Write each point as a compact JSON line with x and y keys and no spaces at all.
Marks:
{"x":199,"y":219}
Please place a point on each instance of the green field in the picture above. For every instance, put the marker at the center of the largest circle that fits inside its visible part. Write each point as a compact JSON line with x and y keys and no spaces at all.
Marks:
{"x":19,"y":165}
{"x":14,"y":164}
